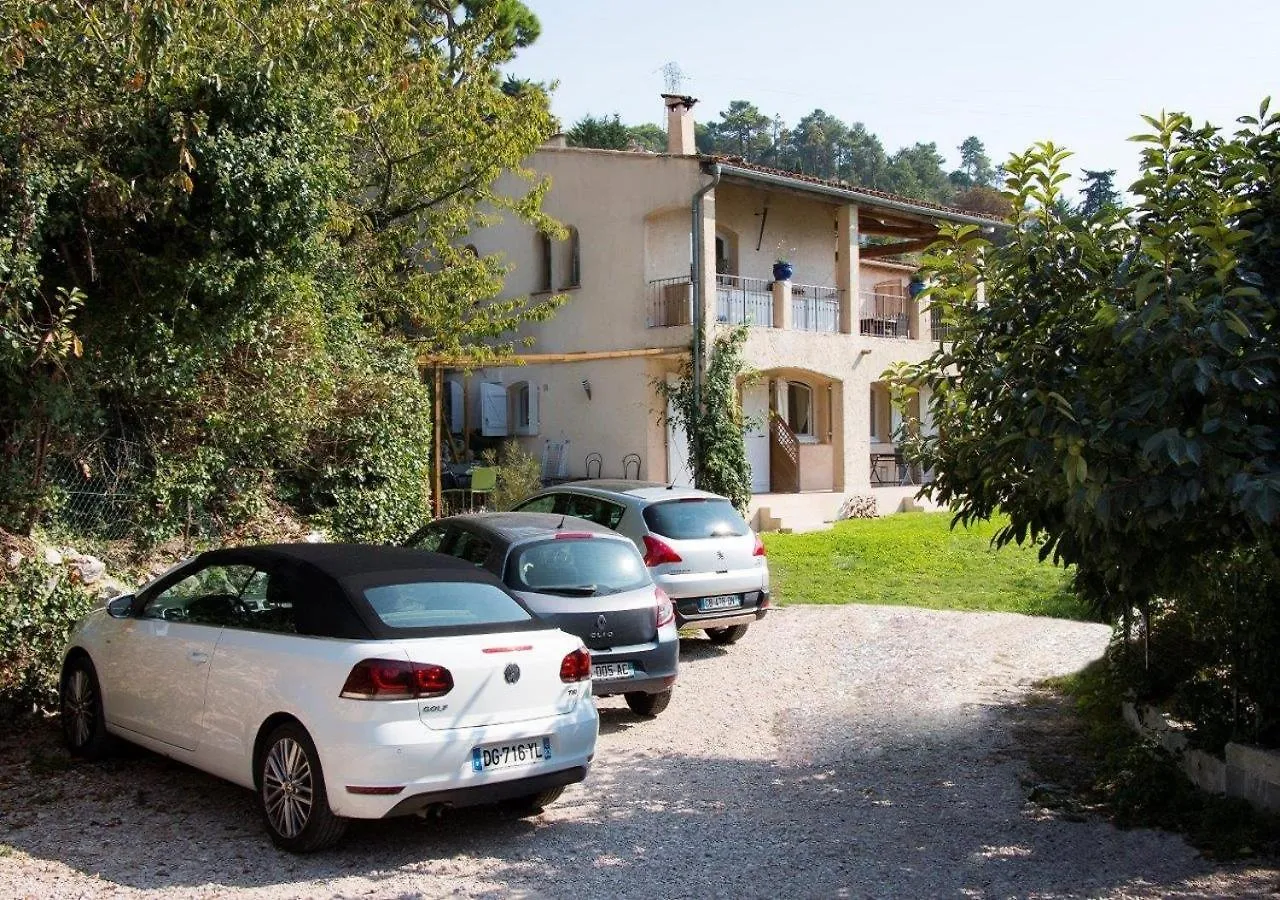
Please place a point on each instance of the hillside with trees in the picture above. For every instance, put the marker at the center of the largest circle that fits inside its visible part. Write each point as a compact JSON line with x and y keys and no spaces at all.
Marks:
{"x":822,"y":145}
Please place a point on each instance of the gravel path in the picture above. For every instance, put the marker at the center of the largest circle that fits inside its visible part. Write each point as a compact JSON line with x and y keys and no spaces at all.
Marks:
{"x":836,"y":752}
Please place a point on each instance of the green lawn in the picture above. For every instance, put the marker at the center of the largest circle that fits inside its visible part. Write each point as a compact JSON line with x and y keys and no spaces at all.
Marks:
{"x":915,"y":559}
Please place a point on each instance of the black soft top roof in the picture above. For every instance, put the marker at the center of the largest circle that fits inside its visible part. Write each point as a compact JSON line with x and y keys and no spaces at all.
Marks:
{"x":326,"y":584}
{"x":347,"y":560}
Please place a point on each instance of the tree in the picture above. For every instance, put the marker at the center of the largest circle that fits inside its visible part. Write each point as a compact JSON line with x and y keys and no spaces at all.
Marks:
{"x":1117,"y":396}
{"x":228,"y":254}
{"x":865,"y":161}
{"x":975,"y":166}
{"x":916,"y":171}
{"x":1099,"y":192}
{"x":820,"y":142}
{"x":647,"y":137}
{"x":602,"y":133}
{"x":742,"y":130}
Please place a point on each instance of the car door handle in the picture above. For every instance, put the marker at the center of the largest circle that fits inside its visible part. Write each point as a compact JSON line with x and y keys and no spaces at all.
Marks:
{"x":199,"y":657}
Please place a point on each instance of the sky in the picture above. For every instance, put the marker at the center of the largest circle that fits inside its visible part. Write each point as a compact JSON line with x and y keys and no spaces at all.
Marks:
{"x":1080,"y":73}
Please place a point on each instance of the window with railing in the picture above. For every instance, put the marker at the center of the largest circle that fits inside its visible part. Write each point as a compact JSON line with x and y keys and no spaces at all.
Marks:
{"x":815,"y":308}
{"x":670,"y":301}
{"x":938,"y":327}
{"x":883,"y":315}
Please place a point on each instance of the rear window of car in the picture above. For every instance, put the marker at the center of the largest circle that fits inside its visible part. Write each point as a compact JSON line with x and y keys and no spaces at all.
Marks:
{"x":443,"y":604}
{"x":577,"y":566}
{"x":683,"y":520}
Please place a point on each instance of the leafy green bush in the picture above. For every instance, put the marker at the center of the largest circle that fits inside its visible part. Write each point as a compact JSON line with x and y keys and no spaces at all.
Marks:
{"x":38,"y":606}
{"x":519,"y":475}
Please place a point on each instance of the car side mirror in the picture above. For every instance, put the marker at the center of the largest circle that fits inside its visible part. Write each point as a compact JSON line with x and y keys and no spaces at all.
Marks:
{"x":119,"y":607}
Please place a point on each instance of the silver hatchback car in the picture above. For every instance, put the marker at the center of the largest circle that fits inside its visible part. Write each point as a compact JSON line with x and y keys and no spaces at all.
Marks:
{"x":699,"y":549}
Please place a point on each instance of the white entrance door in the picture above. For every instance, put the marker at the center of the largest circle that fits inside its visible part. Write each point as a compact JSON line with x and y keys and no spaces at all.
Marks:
{"x":678,"y":470}
{"x":755,"y":408}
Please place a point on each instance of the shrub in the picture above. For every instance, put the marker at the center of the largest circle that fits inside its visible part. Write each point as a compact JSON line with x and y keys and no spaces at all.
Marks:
{"x":519,"y":475}
{"x":38,"y":606}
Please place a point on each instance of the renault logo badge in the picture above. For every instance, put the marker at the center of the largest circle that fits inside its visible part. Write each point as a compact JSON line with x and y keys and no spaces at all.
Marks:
{"x":511,"y":673}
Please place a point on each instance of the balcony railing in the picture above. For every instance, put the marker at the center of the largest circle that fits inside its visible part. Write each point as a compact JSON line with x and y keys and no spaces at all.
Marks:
{"x":670,"y":302}
{"x":815,"y":308}
{"x":883,"y":315}
{"x":743,"y":301}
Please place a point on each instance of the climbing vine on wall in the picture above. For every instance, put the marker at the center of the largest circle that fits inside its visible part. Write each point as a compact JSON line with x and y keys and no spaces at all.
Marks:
{"x":716,"y":431}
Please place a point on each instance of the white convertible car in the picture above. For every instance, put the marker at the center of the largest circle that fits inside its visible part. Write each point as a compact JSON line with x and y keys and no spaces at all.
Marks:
{"x":337,"y":681}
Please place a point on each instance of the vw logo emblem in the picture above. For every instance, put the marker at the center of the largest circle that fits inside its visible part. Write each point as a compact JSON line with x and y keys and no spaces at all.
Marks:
{"x":601,"y":623}
{"x":511,"y":673}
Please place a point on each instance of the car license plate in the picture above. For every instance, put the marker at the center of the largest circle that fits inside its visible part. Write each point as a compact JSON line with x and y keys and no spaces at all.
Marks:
{"x":611,"y":670}
{"x":506,"y":756}
{"x":725,"y":601}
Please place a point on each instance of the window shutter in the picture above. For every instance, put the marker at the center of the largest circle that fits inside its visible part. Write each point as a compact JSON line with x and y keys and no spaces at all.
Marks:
{"x":533,"y":409}
{"x":493,"y":410}
{"x":455,"y":406}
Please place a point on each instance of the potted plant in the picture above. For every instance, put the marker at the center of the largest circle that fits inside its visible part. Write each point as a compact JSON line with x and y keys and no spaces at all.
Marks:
{"x":915,"y":285}
{"x":782,"y":270}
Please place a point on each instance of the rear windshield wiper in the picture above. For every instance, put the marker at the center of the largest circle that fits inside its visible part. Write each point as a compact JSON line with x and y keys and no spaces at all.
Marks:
{"x":577,"y":590}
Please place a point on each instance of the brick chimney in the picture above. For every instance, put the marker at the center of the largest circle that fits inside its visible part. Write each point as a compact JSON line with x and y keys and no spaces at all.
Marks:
{"x":680,"y":124}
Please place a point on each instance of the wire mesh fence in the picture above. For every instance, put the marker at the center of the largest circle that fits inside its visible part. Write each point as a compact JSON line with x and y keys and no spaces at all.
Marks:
{"x":95,"y":492}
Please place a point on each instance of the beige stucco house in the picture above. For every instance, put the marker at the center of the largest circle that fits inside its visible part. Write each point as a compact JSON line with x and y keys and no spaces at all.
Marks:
{"x":650,"y":235}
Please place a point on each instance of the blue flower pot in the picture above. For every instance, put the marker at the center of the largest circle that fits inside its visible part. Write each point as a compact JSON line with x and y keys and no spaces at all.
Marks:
{"x":782,"y":271}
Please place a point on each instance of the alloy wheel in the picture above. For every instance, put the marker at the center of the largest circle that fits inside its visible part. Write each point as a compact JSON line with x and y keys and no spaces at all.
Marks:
{"x":79,"y":708}
{"x":287,"y":787}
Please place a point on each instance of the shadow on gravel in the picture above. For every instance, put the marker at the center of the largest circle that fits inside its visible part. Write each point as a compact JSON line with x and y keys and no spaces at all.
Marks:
{"x":896,"y":808}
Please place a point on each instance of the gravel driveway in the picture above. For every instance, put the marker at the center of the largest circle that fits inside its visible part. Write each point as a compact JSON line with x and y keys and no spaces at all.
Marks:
{"x":836,"y":752}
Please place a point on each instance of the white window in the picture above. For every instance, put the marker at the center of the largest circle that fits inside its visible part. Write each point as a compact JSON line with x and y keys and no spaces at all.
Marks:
{"x":800,"y":412}
{"x":523,"y":399}
{"x":493,"y":410}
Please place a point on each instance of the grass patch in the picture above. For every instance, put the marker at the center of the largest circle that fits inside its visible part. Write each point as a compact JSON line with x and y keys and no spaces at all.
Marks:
{"x":916,"y":559}
{"x":1137,"y":784}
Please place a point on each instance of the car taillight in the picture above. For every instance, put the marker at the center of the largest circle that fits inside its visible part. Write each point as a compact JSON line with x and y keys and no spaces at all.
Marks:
{"x":658,"y":552}
{"x":759,"y":549}
{"x":576,"y":666}
{"x":396,"y":679}
{"x":666,"y":610}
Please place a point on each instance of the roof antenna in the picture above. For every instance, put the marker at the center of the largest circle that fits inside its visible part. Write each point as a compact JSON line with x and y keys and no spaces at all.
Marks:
{"x":561,"y":525}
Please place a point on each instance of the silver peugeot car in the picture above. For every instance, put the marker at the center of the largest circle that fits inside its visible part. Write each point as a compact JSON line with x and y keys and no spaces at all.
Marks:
{"x":584,"y":579}
{"x":699,"y":549}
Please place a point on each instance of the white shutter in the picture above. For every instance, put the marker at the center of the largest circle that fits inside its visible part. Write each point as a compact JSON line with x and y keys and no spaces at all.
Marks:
{"x":493,"y":410}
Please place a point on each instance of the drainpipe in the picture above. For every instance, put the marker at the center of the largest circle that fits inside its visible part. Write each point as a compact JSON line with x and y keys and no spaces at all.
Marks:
{"x":699,"y":351}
